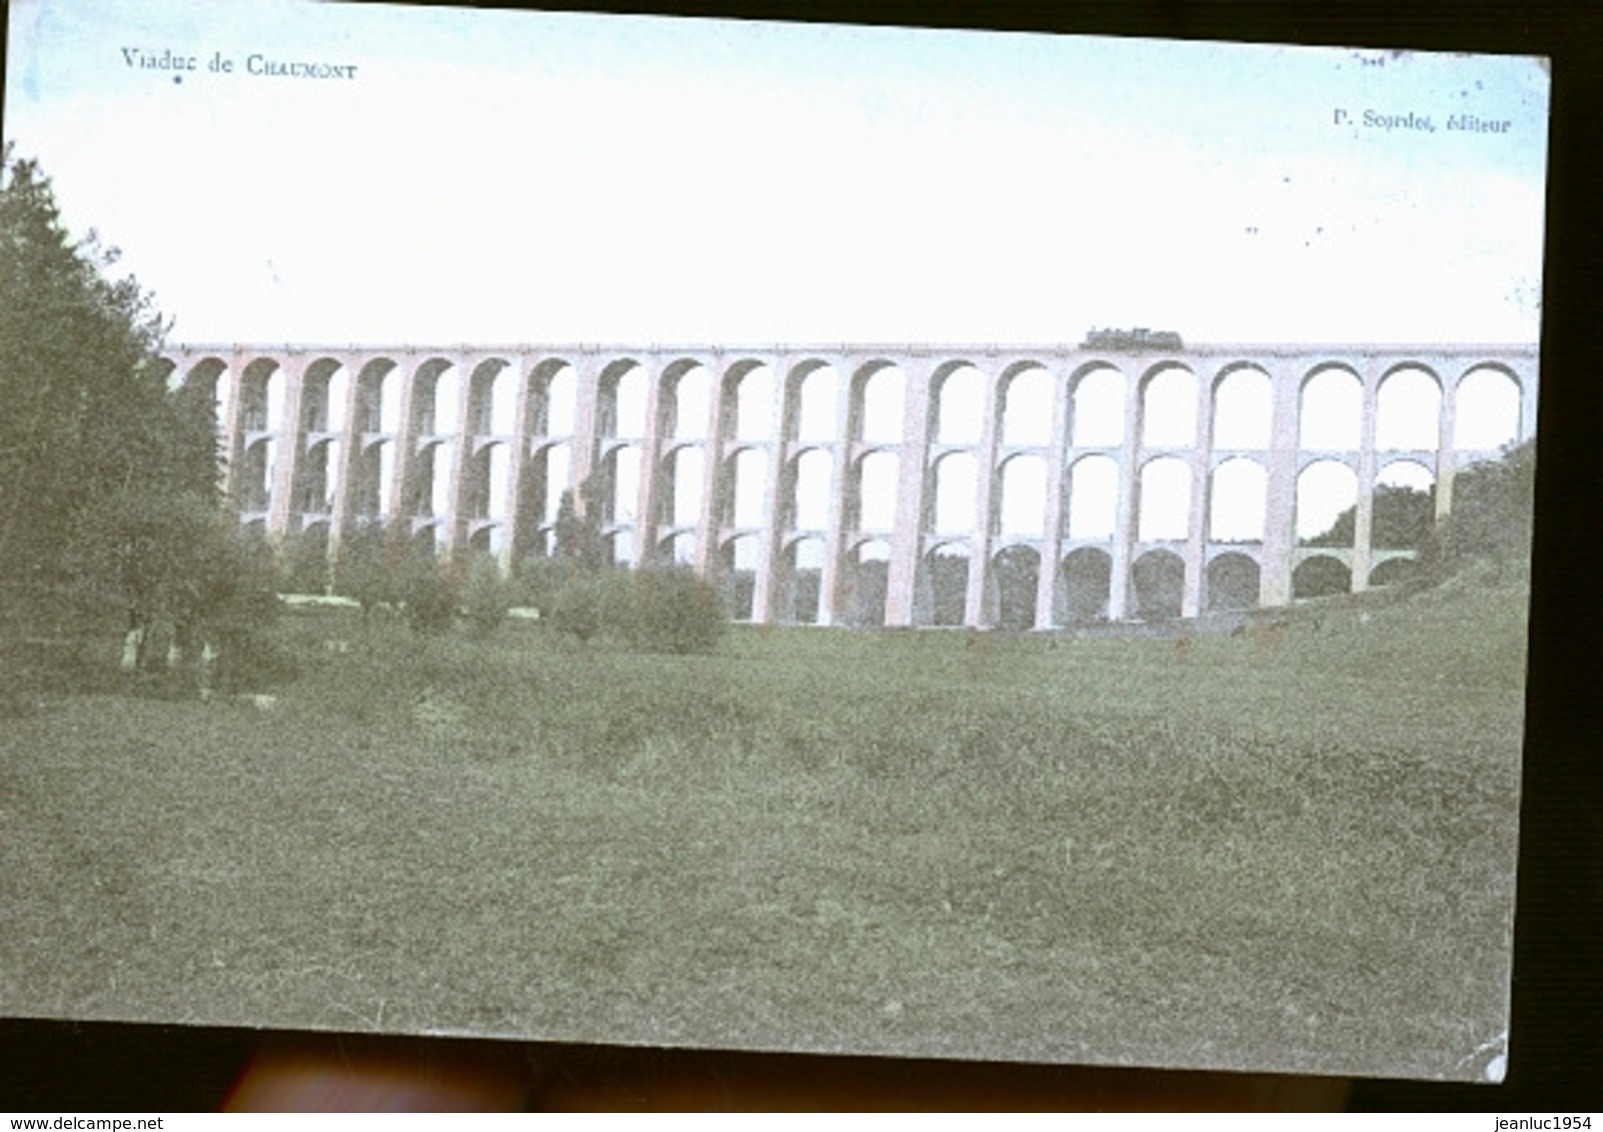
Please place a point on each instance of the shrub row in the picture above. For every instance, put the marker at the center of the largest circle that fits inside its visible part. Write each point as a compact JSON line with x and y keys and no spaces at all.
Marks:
{"x":656,"y":610}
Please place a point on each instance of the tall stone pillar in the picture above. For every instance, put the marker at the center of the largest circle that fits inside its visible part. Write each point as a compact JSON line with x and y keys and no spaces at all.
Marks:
{"x":714,"y":501}
{"x":1280,"y":488}
{"x":976,"y":611}
{"x":291,"y":440}
{"x":1527,"y":383}
{"x":1446,"y":427}
{"x":1364,"y":511}
{"x":234,"y":426}
{"x":907,"y":539}
{"x":831,"y":591}
{"x":586,"y":423}
{"x":454,"y":521}
{"x":517,"y":462}
{"x":770,"y":545}
{"x":1126,"y":516}
{"x":648,"y":502}
{"x":1196,"y":556}
{"x":400,"y":518}
{"x":1052,"y":521}
{"x":350,"y":459}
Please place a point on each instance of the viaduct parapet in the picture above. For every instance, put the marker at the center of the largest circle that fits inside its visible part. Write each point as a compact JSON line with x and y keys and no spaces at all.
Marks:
{"x":833,"y":484}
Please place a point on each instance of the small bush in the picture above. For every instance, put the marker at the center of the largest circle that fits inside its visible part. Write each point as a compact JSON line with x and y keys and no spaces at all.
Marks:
{"x":664,"y":611}
{"x":536,"y":582}
{"x":577,"y":608}
{"x":249,"y":657}
{"x":675,"y":611}
{"x":428,"y":594}
{"x":487,"y":596}
{"x":303,"y":563}
{"x":251,"y":662}
{"x":367,"y":571}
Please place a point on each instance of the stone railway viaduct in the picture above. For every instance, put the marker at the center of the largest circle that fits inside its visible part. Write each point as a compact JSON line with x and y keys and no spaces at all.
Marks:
{"x":317,"y":440}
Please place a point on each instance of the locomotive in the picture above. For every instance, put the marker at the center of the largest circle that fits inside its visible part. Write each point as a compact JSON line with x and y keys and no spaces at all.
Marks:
{"x":1132,"y":340}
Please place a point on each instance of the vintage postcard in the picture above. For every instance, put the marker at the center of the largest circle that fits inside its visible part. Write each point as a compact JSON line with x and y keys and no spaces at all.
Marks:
{"x":741,"y":535}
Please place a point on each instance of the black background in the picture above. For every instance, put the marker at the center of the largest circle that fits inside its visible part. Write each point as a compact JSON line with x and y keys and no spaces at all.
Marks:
{"x":1556,"y":1053}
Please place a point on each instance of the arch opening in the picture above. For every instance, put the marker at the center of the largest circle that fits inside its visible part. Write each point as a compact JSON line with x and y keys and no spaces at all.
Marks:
{"x":959,"y":406}
{"x":1321,"y":576}
{"x":747,"y":489}
{"x":1158,"y":580}
{"x":1093,"y":497}
{"x":811,"y":403}
{"x":1330,"y":411}
{"x":1097,"y":409}
{"x":877,"y":405}
{"x":492,"y":399}
{"x":683,"y":485}
{"x":1237,"y":501}
{"x":378,"y":405}
{"x":1486,"y":413}
{"x":808,"y":504}
{"x":866,"y":575}
{"x":1169,"y":409}
{"x":1408,"y":410}
{"x":618,"y":488}
{"x":738,"y":579}
{"x":1021,"y":509}
{"x":943,"y":585}
{"x":956,"y":481}
{"x":1243,"y":407}
{"x":553,"y":400}
{"x":621,"y":401}
{"x":209,"y":380}
{"x":678,"y":549}
{"x":546,"y":476}
{"x":1232,"y":583}
{"x":1165,"y":500}
{"x":871,"y":498}
{"x":752,"y":405}
{"x":261,"y":397}
{"x":800,"y":582}
{"x":1016,"y":573}
{"x":1027,"y":409}
{"x":1403,"y":508}
{"x":1395,"y":571}
{"x":1327,"y":496}
{"x":1084,"y":585}
{"x":684,"y":406}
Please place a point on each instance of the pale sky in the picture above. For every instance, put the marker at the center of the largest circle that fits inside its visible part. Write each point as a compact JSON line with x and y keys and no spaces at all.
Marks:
{"x":504,"y":177}
{"x":495,"y":178}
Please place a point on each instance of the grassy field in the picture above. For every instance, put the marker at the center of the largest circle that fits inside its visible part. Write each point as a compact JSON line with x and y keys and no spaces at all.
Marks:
{"x":1289,"y":851}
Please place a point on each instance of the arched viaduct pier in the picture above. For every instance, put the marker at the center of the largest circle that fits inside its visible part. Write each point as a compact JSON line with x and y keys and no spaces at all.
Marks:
{"x":858,"y":484}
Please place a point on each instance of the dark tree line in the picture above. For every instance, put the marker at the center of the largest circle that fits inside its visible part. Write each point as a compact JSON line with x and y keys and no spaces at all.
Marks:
{"x":1493,"y":508}
{"x":1401,"y":518}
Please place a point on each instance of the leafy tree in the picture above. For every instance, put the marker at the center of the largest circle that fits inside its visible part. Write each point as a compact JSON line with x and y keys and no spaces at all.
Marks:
{"x":175,"y":565}
{"x":1494,"y":505}
{"x":579,"y":544}
{"x":87,"y":411}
